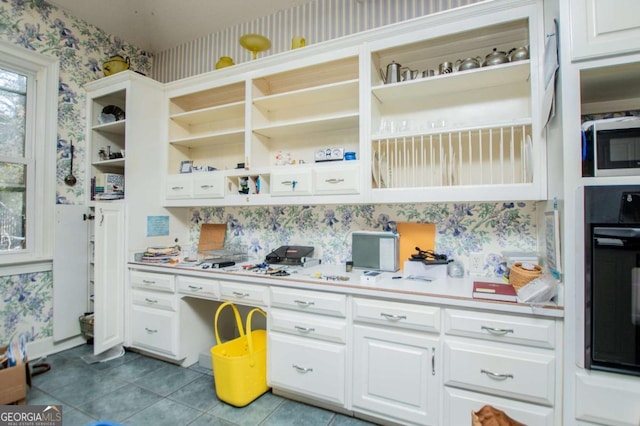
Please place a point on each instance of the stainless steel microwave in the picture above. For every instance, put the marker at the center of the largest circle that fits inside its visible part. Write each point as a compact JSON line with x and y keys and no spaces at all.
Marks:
{"x":611,"y":147}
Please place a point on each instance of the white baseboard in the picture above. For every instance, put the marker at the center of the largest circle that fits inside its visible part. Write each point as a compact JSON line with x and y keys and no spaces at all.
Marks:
{"x":43,"y":347}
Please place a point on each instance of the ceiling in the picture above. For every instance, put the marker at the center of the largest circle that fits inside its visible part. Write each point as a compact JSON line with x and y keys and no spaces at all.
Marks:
{"x":157,"y":25}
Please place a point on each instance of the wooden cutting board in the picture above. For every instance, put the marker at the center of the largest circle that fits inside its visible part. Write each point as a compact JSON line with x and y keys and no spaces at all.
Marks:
{"x":414,"y":235}
{"x":212,"y":236}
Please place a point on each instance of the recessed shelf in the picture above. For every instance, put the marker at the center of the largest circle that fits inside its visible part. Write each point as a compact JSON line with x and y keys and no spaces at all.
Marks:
{"x":306,"y":126}
{"x":335,"y":92}
{"x":220,"y":112}
{"x":454,"y":83}
{"x":116,"y":127}
{"x":211,"y":139}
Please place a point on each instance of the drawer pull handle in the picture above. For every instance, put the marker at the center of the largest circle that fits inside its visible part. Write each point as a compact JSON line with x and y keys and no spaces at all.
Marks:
{"x":334,"y":180}
{"x":150,"y":300}
{"x":302,"y":369}
{"x":304,"y":329}
{"x":150,"y":331}
{"x":238,"y":294}
{"x":433,"y":361}
{"x":148,"y":281}
{"x":193,"y":287}
{"x":393,"y":317}
{"x":177,"y":188}
{"x":497,"y":331}
{"x":496,"y":376}
{"x":304,"y":303}
{"x":206,"y":186}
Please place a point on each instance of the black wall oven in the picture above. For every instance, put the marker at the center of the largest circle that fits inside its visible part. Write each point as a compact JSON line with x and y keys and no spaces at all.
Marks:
{"x":612,"y":278}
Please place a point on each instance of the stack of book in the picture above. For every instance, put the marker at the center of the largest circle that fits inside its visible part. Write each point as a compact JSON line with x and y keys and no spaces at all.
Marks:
{"x":494,"y":291}
{"x":161,"y":254}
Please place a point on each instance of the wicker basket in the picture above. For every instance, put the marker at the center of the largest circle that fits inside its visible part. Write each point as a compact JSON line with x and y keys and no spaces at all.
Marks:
{"x":86,"y":326}
{"x":522,"y":273}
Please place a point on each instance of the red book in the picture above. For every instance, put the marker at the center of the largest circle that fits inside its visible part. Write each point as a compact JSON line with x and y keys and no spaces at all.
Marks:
{"x":494,"y":291}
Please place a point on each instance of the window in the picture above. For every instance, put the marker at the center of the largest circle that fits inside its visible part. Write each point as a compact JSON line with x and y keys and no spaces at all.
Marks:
{"x":28,"y":126}
{"x":15,"y":160}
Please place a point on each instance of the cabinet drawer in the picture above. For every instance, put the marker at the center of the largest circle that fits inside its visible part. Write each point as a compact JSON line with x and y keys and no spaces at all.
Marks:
{"x":310,"y":367}
{"x":459,"y":403}
{"x":179,"y":186}
{"x":501,"y":328}
{"x":308,"y":325}
{"x":247,"y":294}
{"x":200,"y":287}
{"x":291,"y":182}
{"x":208,"y":185}
{"x":150,"y":280}
{"x":309,"y":301}
{"x":154,"y":299}
{"x":395,"y":314}
{"x":154,"y":329}
{"x":332,"y":180}
{"x":527,"y":374}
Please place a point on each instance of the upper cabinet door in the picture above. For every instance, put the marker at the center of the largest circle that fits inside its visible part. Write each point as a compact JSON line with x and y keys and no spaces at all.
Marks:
{"x":604,"y":28}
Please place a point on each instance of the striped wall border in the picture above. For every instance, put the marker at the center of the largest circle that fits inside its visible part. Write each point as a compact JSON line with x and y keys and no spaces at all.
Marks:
{"x":316,"y":21}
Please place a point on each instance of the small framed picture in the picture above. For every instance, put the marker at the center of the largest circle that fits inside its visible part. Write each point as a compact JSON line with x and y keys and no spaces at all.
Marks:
{"x":186,"y":166}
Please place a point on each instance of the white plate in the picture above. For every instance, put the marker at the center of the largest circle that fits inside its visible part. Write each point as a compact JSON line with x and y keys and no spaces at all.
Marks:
{"x":528,"y":159}
{"x":375,"y":170}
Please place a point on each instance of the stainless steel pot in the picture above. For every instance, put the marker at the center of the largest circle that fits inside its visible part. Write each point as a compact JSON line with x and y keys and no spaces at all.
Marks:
{"x":468,"y":64}
{"x":519,"y":54}
{"x":393,"y":73}
{"x":495,"y":58}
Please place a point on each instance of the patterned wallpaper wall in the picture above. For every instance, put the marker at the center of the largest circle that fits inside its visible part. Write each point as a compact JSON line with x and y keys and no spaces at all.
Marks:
{"x":26,"y":305}
{"x":490,"y":228}
{"x":316,"y":21}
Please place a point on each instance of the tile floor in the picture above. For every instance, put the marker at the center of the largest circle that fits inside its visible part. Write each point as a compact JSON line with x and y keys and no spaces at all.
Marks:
{"x":137,"y":390}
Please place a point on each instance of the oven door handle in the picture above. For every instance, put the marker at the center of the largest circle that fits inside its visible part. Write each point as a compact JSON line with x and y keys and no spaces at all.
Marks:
{"x":601,"y":233}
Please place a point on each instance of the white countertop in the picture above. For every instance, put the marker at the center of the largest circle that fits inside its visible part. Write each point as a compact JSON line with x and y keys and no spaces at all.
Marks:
{"x":455,"y":292}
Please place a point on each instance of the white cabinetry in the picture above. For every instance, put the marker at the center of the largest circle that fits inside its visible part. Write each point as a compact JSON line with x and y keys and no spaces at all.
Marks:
{"x":510,"y":357}
{"x":122,"y":110}
{"x":307,"y":344}
{"x":109,"y":276}
{"x":604,"y":28}
{"x":465,"y":134}
{"x":397,"y":361}
{"x":154,"y":318}
{"x":244,"y":294}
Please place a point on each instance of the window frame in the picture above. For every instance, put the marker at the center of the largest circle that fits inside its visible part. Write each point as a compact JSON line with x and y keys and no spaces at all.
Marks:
{"x":40,"y":156}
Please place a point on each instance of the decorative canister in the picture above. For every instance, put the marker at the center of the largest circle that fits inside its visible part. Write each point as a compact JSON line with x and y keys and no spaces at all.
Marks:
{"x":224,"y":62}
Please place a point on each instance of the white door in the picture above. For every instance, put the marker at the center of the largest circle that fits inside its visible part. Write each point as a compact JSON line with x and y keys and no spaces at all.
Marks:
{"x":396,"y":374}
{"x":70,"y":269}
{"x":109,"y":279}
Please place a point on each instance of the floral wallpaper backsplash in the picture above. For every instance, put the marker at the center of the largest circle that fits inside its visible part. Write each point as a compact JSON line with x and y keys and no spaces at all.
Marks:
{"x":461,"y":229}
{"x":81,"y":49}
